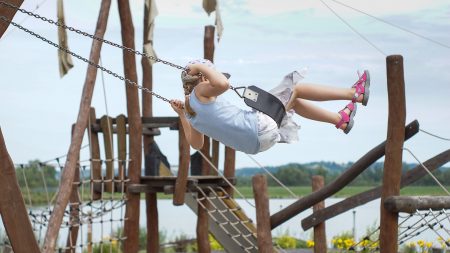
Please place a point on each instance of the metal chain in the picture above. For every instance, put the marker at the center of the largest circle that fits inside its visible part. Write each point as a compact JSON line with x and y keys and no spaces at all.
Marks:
{"x":127,"y":81}
{"x":72,"y":29}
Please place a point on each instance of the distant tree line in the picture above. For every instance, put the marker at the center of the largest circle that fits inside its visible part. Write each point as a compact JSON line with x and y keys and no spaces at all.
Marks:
{"x":300,"y":175}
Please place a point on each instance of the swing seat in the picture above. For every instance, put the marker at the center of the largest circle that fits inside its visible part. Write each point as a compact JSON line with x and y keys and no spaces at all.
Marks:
{"x":265,"y":102}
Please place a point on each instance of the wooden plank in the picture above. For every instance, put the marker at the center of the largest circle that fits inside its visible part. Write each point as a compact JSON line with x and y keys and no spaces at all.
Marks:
{"x":183,"y":168}
{"x":106,"y":124}
{"x":408,"y":178}
{"x":320,"y":237}
{"x":410,"y":204}
{"x":131,"y":230}
{"x":264,"y":232}
{"x":340,"y":182}
{"x":394,"y":152}
{"x":80,"y":126}
{"x":8,"y":13}
{"x":121,"y":146}
{"x":215,"y":156}
{"x":229,"y":167}
{"x":12,"y":206}
{"x":96,"y":163}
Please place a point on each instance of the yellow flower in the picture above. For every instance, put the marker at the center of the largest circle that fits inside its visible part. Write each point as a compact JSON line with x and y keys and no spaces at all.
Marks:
{"x":421,"y":243}
{"x":429,"y":244}
{"x":309,"y":243}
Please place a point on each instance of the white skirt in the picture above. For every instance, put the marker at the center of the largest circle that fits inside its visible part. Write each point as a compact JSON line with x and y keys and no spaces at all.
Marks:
{"x":268,"y":132}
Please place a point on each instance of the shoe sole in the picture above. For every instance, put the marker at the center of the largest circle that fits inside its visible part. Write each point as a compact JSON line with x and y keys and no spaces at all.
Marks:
{"x":366,"y":88}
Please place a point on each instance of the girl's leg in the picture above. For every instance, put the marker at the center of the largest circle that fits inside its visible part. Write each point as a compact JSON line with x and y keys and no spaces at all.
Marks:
{"x":310,"y":111}
{"x":316,"y":92}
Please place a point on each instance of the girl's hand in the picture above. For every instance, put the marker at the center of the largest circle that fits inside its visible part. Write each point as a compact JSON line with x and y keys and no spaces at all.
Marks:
{"x":177,"y":106}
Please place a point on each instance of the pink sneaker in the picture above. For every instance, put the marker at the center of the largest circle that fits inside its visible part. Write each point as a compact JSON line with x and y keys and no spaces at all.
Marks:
{"x":362,"y":88}
{"x":347,"y":118}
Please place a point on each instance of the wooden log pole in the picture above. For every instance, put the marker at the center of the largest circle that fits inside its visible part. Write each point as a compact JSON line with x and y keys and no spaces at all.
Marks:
{"x":362,"y":198}
{"x":80,"y":126}
{"x":202,"y":213}
{"x":183,"y":168}
{"x":131,"y":230}
{"x":263,"y":230}
{"x":340,"y":182}
{"x":411,"y":204}
{"x":12,"y":206}
{"x":151,"y":200}
{"x":8,"y":13}
{"x":394,"y":152}
{"x":320,"y":237}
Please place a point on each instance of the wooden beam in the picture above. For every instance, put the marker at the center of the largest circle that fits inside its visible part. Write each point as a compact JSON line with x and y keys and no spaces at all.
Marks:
{"x":411,"y":204}
{"x":340,"y":182}
{"x":362,"y":198}
{"x":263,"y":230}
{"x":394,"y":152}
{"x":12,"y":206}
{"x":8,"y":13}
{"x":80,"y":126}
{"x":131,"y":230}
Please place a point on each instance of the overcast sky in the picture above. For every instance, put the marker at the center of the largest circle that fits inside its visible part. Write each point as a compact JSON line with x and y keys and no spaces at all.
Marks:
{"x":262,"y":41}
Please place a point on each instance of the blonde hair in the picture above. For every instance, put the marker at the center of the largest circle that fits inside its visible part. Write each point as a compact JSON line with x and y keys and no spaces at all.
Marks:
{"x":189,"y":83}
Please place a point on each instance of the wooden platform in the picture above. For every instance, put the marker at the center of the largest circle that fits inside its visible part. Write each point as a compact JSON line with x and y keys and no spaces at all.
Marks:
{"x":148,"y":123}
{"x":154,"y":184}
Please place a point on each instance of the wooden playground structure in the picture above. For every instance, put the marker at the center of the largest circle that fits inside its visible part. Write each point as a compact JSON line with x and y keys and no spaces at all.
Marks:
{"x":210,"y":194}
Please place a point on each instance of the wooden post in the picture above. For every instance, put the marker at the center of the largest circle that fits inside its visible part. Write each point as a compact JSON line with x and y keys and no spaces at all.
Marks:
{"x":12,"y":207}
{"x":394,"y":149}
{"x":8,"y":13}
{"x":202,"y":213}
{"x":183,"y":167}
{"x":131,"y":230}
{"x":77,"y":138}
{"x":96,"y":164}
{"x":320,"y":238}
{"x":264,"y":232}
{"x":151,"y":200}
{"x":229,"y":166}
{"x":121,"y":126}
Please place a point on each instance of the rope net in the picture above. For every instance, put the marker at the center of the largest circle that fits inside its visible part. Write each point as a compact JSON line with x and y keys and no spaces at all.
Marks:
{"x":95,"y":216}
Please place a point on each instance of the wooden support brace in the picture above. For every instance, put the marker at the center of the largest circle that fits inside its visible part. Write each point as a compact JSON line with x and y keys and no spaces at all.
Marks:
{"x":96,"y":164}
{"x":8,"y":13}
{"x":12,"y":206}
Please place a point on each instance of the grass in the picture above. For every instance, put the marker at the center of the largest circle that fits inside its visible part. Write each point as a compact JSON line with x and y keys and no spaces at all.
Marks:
{"x":275,"y":192}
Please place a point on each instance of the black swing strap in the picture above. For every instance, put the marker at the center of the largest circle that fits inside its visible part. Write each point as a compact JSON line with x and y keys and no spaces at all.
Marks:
{"x":263,"y":101}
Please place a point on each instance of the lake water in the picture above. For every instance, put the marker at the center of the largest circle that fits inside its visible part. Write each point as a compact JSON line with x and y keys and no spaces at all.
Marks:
{"x":180,"y":220}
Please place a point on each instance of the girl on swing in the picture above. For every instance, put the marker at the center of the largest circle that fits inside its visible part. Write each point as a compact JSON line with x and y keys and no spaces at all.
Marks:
{"x":204,"y":111}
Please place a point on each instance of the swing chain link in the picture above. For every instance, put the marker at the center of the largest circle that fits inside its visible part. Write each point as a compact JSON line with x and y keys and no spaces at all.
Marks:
{"x":127,"y":81}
